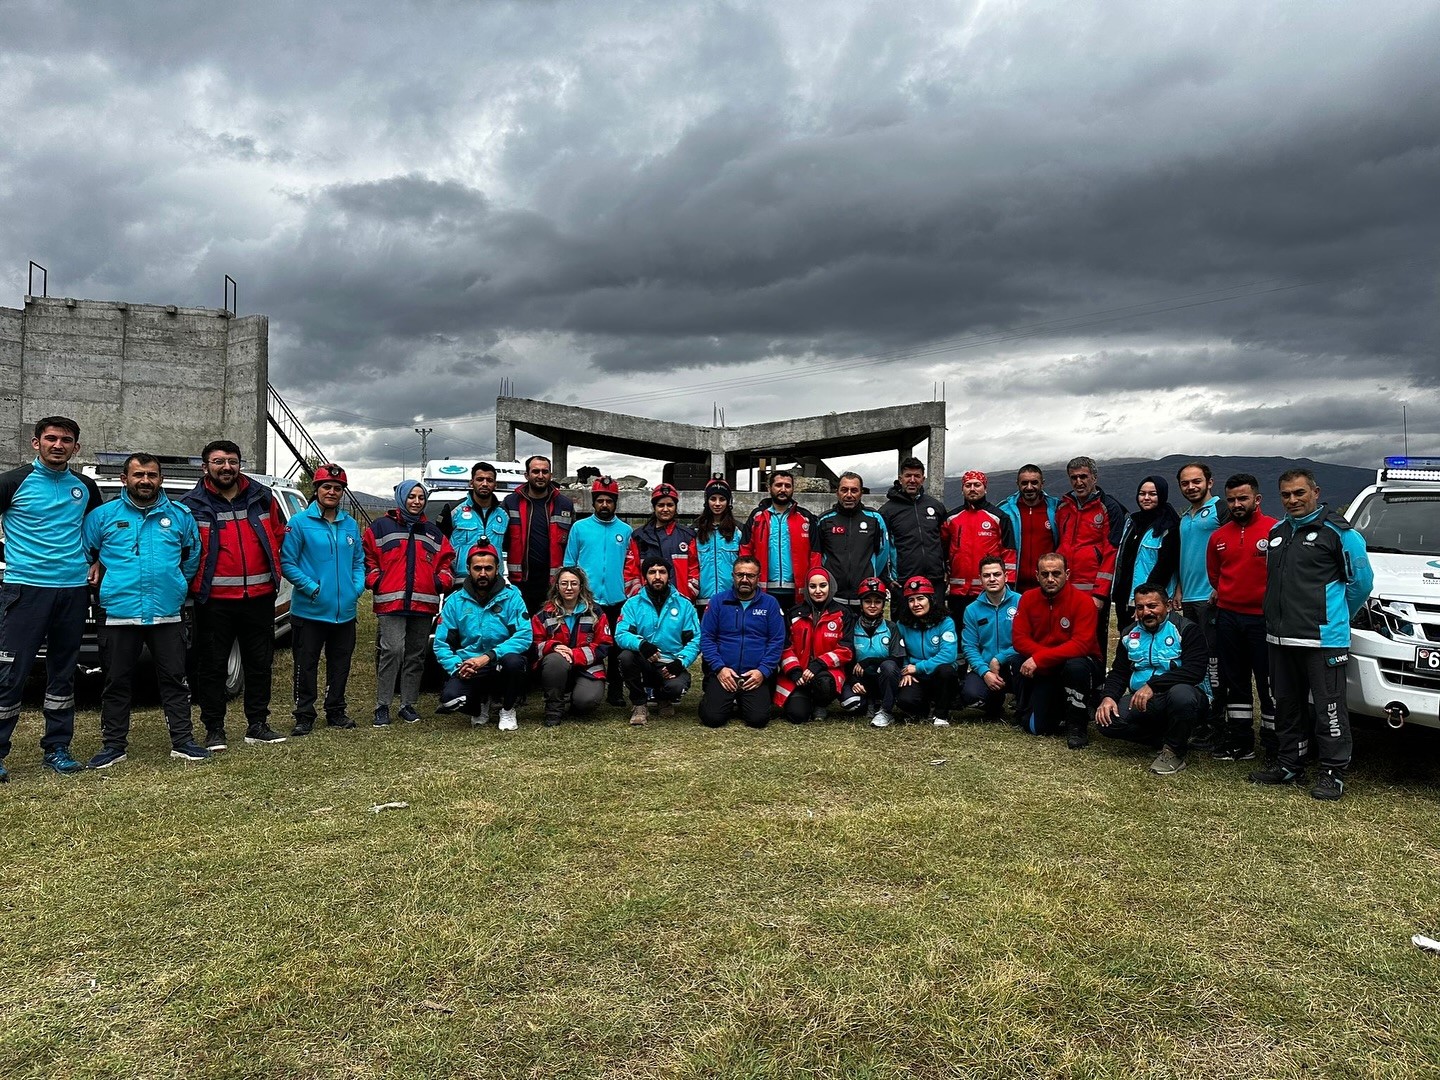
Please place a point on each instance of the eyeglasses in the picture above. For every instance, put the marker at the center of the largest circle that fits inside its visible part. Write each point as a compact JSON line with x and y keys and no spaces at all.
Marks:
{"x":223,"y":461}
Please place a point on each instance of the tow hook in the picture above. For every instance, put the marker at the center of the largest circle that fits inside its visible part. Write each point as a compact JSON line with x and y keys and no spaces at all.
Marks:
{"x":1396,"y":714}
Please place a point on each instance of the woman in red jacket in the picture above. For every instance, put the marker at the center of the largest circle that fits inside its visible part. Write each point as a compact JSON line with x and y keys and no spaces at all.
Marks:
{"x":812,"y":668}
{"x":409,"y":566}
{"x":572,"y":640}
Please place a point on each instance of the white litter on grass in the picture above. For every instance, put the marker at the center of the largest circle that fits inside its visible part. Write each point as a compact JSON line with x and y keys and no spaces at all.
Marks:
{"x":939,"y":760}
{"x":1428,"y":943}
{"x":389,"y":806}
{"x":322,"y":810}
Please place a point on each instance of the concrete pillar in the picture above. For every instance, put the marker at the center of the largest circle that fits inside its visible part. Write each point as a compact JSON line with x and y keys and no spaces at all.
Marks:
{"x":559,"y":460}
{"x":717,"y":465}
{"x":504,"y":440}
{"x":901,"y":454}
{"x":936,"y":458}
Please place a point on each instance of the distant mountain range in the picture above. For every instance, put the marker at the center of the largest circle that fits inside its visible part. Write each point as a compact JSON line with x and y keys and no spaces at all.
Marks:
{"x":1338,"y":483}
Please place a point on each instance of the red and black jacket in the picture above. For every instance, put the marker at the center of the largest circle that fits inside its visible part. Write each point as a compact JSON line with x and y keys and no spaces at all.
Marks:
{"x":817,"y":639}
{"x":590,"y":643}
{"x":408,"y":567}
{"x":676,"y":544}
{"x":520,"y":508}
{"x":972,"y":533}
{"x":240,"y":541}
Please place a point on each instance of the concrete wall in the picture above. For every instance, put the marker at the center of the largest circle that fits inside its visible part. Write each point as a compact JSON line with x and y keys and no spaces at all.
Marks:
{"x":135,"y":376}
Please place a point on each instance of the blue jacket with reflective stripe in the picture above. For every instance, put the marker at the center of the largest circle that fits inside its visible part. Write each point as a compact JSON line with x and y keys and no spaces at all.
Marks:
{"x":599,"y":547}
{"x":1174,"y":654}
{"x":717,"y":561}
{"x":325,"y":561}
{"x":149,"y":555}
{"x":465,"y":524}
{"x":878,"y":642}
{"x":42,"y":510}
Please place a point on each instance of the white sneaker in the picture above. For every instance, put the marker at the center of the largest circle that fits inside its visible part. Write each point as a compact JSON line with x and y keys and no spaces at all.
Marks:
{"x":481,"y":718}
{"x":507,"y":720}
{"x":939,"y":721}
{"x":881,"y":719}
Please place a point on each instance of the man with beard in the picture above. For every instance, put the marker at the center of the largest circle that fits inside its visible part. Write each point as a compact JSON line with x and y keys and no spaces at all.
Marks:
{"x":1088,"y":528}
{"x":1204,"y":514}
{"x":478,"y":516}
{"x":973,"y":532}
{"x":598,"y":544}
{"x":1156,"y":689}
{"x":658,"y":637}
{"x":742,"y":638}
{"x":914,"y":520}
{"x":662,"y":537}
{"x":1054,"y":638}
{"x":482,"y":641}
{"x":148,"y":549}
{"x":539,"y":523}
{"x":1236,"y":568}
{"x":778,"y":535}
{"x":240,"y":538}
{"x":852,"y":542}
{"x":1031,"y":511}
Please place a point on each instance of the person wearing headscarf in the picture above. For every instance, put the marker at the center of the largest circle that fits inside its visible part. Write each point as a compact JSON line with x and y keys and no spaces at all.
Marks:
{"x":1149,"y":548}
{"x":817,"y":652}
{"x":409,"y":566}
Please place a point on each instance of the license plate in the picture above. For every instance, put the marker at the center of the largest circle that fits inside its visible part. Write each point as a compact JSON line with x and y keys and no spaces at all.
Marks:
{"x":1427,"y":658}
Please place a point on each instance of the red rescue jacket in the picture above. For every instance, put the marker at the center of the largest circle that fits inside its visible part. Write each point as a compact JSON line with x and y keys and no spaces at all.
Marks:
{"x":814,"y":635}
{"x":755,"y":542}
{"x":1089,"y":538}
{"x":1053,"y":631}
{"x":590,"y":643}
{"x":408,"y":567}
{"x":519,"y":508}
{"x":676,"y":544}
{"x":239,"y":541}
{"x":970,"y":534}
{"x":1236,"y":561}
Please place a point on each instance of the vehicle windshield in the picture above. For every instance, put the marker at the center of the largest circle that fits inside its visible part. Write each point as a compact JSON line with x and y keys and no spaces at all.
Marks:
{"x":1400,"y":523}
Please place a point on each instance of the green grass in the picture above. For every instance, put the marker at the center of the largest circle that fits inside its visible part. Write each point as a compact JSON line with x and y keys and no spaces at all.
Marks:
{"x":825,"y":901}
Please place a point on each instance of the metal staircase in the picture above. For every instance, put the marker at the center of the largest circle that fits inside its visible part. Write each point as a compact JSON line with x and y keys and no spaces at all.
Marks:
{"x":303,"y":448}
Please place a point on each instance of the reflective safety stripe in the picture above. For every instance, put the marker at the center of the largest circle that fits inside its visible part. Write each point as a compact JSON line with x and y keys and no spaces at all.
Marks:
{"x":158,"y":621}
{"x":59,"y":702}
{"x":424,"y":598}
{"x":248,"y":579}
{"x":10,"y":713}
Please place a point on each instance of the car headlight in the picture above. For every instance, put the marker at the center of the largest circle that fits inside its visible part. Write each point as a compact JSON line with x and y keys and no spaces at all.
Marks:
{"x":1391,"y":620}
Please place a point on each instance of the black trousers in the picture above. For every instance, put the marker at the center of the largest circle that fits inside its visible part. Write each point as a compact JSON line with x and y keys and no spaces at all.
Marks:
{"x":534,"y":590}
{"x":1060,"y":697}
{"x":1245,"y":657}
{"x":31,"y":616}
{"x":1168,"y":718}
{"x":641,"y":675}
{"x":503,"y":678}
{"x":974,"y":691}
{"x":614,"y":680}
{"x":310,"y":638}
{"x":881,"y":679}
{"x":219,"y":624}
{"x":120,"y":649}
{"x":1298,"y":672}
{"x":717,"y":704}
{"x":928,"y":693}
{"x":804,"y":700}
{"x":1204,"y":616}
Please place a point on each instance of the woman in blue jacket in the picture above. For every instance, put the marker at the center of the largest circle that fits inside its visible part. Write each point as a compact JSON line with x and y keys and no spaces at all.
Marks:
{"x":1149,"y":550}
{"x":875,"y":673}
{"x":717,"y":540}
{"x":927,"y":681}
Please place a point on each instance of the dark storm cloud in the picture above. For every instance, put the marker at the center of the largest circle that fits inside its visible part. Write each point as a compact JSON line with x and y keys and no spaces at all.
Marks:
{"x":1363,"y":413}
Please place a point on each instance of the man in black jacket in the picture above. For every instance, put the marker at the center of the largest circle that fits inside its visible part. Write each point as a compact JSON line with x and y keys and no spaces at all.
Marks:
{"x":914,"y":520}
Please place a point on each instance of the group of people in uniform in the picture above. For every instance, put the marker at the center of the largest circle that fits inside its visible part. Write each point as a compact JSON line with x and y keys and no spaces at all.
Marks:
{"x":909,"y":611}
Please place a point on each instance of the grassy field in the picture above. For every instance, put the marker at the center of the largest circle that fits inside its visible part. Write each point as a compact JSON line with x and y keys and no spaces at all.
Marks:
{"x":821,"y":901}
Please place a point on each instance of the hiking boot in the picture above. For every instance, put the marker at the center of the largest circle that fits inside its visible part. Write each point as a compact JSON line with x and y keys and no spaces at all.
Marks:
{"x":302,"y":728}
{"x":481,"y":718}
{"x":263,"y":735}
{"x":1167,"y":763}
{"x":382,"y":716}
{"x":1076,"y":737}
{"x":508,"y":720}
{"x":1234,"y":753}
{"x":190,"y":752}
{"x":60,"y":761}
{"x":881,"y":719}
{"x":215,"y":741}
{"x":551,"y":719}
{"x":1204,"y":737}
{"x":1276,"y":775}
{"x":1329,"y":785}
{"x":111,"y":755}
{"x":821,"y":713}
{"x":343,"y":722}
{"x":409,"y":714}
{"x":639,"y":716}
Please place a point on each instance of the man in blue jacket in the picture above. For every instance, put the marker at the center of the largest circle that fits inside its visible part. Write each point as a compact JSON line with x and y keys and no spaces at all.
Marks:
{"x":45,"y":592}
{"x":479,"y":516}
{"x":742,"y":638}
{"x":985,"y":643}
{"x":1317,"y":577}
{"x":147,"y":549}
{"x":598,"y":544}
{"x":1156,"y":690}
{"x":658,"y":637}
{"x":324,"y":558}
{"x":482,"y":641}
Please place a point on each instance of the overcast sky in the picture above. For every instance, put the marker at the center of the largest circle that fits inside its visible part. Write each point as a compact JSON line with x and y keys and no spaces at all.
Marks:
{"x":1119,"y":229}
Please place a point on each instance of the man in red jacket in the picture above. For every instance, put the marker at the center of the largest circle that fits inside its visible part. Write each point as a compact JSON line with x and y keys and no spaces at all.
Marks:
{"x":976,"y":530}
{"x":1054,"y":635}
{"x":1236,"y":562}
{"x":1088,"y":524}
{"x":777,"y":536}
{"x":540,"y":520}
{"x":234,"y":590}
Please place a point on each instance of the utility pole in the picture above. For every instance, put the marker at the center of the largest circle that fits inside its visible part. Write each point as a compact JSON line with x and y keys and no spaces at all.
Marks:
{"x":424,"y":433}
